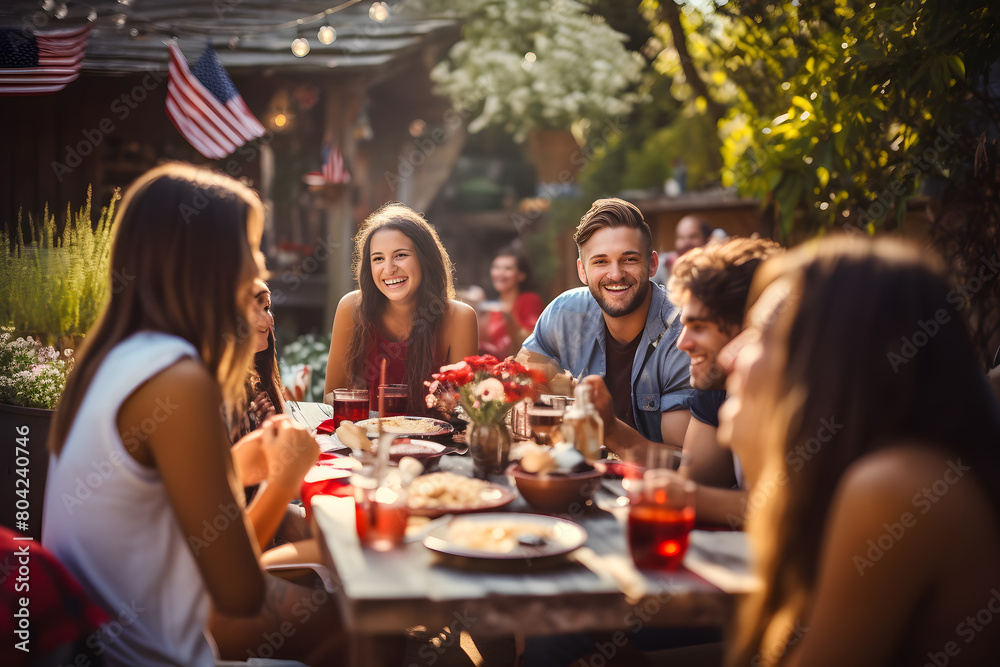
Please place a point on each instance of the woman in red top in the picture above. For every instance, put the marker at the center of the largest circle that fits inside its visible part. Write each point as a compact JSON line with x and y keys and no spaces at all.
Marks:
{"x":517,"y":311}
{"x":404,"y":310}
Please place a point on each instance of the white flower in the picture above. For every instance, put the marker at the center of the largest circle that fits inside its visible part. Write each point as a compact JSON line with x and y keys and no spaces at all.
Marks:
{"x":565,"y":42}
{"x":490,"y":389}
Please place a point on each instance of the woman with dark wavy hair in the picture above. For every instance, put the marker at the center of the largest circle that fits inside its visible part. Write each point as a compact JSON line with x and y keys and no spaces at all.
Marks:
{"x":404,"y":311}
{"x":871,"y":441}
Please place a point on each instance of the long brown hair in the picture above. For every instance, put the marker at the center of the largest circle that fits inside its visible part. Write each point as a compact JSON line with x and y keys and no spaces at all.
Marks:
{"x":424,"y":350}
{"x":265,"y":375}
{"x":182,"y":240}
{"x":856,"y":305}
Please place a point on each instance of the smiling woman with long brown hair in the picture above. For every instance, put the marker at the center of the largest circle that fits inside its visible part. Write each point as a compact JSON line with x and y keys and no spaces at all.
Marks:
{"x":404,"y":311}
{"x":871,"y":440}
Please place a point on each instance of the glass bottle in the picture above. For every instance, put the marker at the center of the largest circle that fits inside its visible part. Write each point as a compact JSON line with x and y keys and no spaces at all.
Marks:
{"x":582,"y":426}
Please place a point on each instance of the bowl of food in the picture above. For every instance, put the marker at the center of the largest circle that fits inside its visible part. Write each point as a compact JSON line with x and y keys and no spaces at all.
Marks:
{"x":554,"y":489}
{"x":428,"y":452}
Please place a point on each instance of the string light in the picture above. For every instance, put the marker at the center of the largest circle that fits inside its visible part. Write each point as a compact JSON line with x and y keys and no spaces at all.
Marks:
{"x":379,"y":11}
{"x":118,"y":19}
{"x":326,"y":34}
{"x":300,"y":47}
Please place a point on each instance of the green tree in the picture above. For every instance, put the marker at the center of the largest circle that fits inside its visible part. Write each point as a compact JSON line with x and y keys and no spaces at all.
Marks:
{"x":835,"y":113}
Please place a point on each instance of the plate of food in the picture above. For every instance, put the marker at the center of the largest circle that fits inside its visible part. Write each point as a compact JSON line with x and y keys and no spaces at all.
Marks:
{"x":415,"y":427}
{"x":425,"y":451}
{"x":448,"y":493}
{"x":498,"y":535}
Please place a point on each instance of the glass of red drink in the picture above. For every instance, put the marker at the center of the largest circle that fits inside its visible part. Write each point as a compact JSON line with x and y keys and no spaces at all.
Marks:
{"x":381,"y":511}
{"x":397,"y":396}
{"x":661,"y":513}
{"x":350,"y":405}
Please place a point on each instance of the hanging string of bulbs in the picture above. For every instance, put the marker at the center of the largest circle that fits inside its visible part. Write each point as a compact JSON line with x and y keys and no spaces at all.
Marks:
{"x":326,"y":34}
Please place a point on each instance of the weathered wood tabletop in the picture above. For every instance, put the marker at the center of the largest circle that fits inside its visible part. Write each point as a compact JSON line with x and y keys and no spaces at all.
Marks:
{"x":596,"y":588}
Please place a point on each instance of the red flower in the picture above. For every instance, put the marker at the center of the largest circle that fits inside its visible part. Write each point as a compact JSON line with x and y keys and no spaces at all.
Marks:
{"x":484,"y":363}
{"x":510,"y":368}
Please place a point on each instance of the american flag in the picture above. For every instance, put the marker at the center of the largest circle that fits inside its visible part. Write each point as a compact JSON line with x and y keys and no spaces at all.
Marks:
{"x":205,"y":106}
{"x":334,"y":170}
{"x":40,"y":63}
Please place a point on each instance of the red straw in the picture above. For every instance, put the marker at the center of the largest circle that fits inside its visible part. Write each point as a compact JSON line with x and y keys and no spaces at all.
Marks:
{"x":381,"y":391}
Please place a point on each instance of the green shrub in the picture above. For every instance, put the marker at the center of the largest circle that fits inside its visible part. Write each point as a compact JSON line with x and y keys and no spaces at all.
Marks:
{"x":54,"y":284}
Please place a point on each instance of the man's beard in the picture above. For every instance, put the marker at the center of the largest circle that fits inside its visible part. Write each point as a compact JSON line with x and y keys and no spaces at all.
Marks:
{"x":626,"y":308}
{"x":713,"y":379}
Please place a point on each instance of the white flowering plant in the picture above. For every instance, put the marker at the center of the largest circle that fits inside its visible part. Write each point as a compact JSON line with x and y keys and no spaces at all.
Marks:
{"x":304,"y":359}
{"x":486,"y":388}
{"x":527,"y":65}
{"x":32,"y":375}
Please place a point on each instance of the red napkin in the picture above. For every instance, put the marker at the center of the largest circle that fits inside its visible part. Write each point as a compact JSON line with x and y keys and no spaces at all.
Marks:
{"x":328,"y":487}
{"x":326,"y":427}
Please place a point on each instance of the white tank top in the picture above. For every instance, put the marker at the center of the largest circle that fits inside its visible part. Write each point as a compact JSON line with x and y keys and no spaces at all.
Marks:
{"x":108,"y":519}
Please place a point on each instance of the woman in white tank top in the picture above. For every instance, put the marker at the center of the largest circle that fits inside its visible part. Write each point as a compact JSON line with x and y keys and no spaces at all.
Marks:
{"x":144,"y":497}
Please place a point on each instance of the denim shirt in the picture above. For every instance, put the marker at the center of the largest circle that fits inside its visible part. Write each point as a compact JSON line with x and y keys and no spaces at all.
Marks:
{"x":570,"y":331}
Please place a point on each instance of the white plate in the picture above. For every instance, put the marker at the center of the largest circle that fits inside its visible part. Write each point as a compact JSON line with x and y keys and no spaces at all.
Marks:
{"x":561,"y":536}
{"x":417,"y":427}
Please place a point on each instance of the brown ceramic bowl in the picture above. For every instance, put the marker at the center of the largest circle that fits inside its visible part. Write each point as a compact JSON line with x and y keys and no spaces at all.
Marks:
{"x":556,"y":493}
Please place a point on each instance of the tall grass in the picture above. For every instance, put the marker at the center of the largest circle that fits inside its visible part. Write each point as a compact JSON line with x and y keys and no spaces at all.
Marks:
{"x":54,"y":283}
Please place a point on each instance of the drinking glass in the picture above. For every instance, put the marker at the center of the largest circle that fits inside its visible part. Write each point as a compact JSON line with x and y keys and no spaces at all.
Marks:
{"x":544,"y":422}
{"x":397,"y":397}
{"x":381,"y":510}
{"x":661,"y":512}
{"x":350,"y":405}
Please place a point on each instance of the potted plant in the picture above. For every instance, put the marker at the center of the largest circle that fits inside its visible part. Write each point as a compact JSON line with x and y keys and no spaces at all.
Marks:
{"x":52,"y":287}
{"x":32,"y":377}
{"x":537,"y":69}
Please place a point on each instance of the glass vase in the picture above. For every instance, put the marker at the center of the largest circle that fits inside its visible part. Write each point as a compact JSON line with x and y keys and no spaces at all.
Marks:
{"x":489,"y":445}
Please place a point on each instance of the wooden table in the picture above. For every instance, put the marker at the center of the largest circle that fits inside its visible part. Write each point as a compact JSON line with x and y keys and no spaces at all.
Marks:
{"x":381,"y":594}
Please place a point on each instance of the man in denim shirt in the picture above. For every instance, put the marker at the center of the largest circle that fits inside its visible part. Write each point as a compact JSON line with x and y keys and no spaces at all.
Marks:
{"x":647,"y":375}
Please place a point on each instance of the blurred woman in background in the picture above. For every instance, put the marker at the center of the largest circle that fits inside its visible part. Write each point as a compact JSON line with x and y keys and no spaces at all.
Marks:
{"x":512,"y":317}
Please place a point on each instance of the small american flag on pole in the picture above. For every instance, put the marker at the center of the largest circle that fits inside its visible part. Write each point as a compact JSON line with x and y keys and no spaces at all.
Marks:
{"x":40,"y":63}
{"x":334,"y":170}
{"x":205,"y":106}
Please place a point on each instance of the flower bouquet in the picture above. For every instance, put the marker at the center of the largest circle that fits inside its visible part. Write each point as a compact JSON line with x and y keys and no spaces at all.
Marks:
{"x":487,"y":390}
